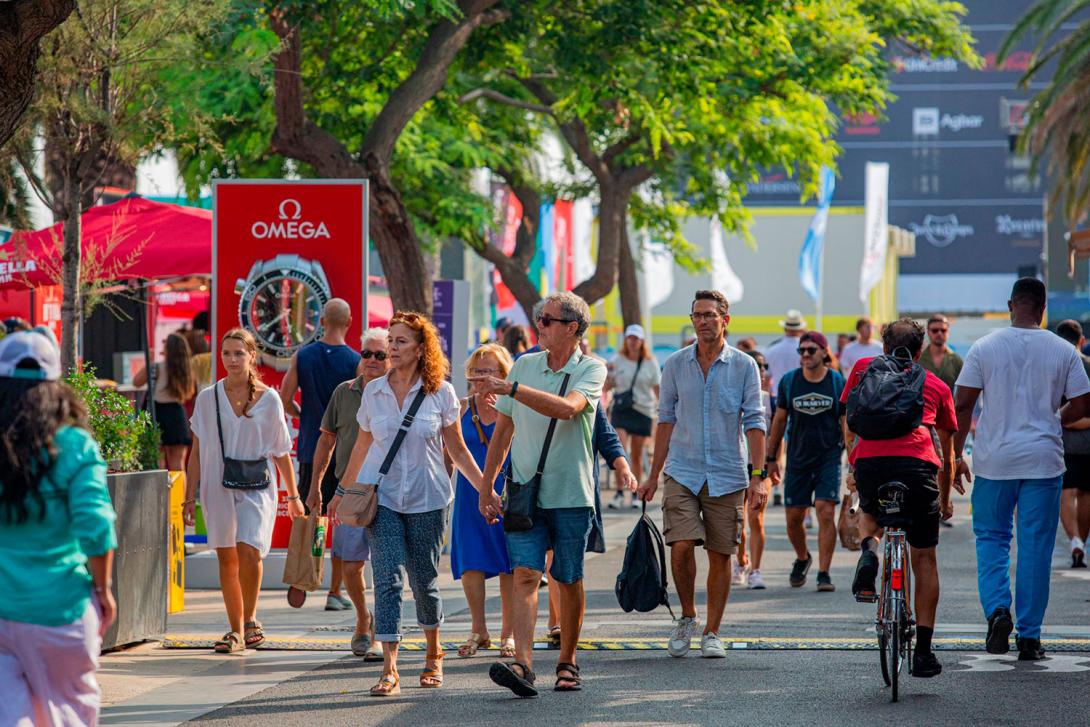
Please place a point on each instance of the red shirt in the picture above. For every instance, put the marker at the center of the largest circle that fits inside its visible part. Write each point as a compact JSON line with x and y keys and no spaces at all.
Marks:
{"x":938,"y":412}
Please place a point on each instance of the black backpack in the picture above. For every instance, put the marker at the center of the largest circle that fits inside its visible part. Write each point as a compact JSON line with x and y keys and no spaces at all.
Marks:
{"x":641,"y":584}
{"x":888,"y":400}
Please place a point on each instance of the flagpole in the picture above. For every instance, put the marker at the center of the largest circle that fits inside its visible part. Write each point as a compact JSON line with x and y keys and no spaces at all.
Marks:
{"x":821,"y":289}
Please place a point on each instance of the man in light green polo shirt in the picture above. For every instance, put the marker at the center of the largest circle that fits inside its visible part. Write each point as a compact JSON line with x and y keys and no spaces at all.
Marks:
{"x":529,"y":399}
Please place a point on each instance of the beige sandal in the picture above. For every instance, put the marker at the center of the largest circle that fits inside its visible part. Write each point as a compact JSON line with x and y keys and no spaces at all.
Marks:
{"x":432,"y":677}
{"x":472,"y":644}
{"x":388,"y":685}
{"x":507,"y":648}
{"x":230,"y":643}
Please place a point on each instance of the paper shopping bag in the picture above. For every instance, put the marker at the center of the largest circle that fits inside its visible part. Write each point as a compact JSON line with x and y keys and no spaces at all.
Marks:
{"x":306,"y":552}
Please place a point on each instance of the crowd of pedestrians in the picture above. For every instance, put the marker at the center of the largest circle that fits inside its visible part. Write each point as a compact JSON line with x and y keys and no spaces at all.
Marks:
{"x":724,"y":425}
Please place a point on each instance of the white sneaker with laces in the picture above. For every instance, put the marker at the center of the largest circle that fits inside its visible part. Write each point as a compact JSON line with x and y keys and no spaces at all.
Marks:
{"x":739,"y":575}
{"x":681,"y":639}
{"x":756,"y":582}
{"x":711,"y":647}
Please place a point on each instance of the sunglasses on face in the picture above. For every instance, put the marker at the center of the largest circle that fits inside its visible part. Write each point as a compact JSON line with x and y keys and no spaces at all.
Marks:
{"x":937,"y":330}
{"x":377,"y":355}
{"x":545,"y":320}
{"x":807,"y":350}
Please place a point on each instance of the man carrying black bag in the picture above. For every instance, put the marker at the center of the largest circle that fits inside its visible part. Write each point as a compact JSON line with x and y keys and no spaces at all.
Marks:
{"x":641,"y":584}
{"x":549,"y":399}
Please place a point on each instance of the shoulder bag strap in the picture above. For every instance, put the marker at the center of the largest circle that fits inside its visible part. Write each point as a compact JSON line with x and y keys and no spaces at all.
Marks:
{"x":405,"y":424}
{"x":552,"y":428}
{"x":477,"y":420}
{"x":635,"y":375}
{"x":219,"y":423}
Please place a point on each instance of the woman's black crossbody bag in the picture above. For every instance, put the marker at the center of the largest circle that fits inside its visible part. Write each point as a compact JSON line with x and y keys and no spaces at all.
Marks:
{"x":241,"y":474}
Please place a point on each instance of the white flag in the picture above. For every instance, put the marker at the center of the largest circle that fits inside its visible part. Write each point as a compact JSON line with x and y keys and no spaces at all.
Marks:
{"x":876,"y":227}
{"x":582,"y":233}
{"x":723,"y":277}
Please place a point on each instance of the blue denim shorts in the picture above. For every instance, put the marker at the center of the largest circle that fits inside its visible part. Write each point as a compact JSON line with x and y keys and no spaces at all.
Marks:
{"x":802,"y":487}
{"x":563,"y":530}
{"x":351,"y":543}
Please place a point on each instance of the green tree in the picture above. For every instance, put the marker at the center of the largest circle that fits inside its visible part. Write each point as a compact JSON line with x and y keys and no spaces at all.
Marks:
{"x":1056,"y":120}
{"x":672,"y":107}
{"x":97,"y":77}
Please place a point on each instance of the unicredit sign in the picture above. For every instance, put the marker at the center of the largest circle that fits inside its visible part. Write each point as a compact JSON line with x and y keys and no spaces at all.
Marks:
{"x":289,"y":226}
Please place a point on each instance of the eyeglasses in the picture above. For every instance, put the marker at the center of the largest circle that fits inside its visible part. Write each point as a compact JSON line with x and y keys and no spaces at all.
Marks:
{"x":937,"y":330}
{"x":762,"y":367}
{"x":377,"y":355}
{"x":484,"y":372}
{"x":807,"y":350}
{"x":545,"y":320}
{"x":703,"y":316}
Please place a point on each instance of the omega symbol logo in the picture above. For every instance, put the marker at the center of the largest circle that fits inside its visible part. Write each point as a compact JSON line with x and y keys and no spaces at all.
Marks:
{"x":293,"y":205}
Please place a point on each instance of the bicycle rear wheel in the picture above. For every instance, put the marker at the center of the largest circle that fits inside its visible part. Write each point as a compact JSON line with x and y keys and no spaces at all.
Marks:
{"x":883,"y":646}
{"x":894,"y":657}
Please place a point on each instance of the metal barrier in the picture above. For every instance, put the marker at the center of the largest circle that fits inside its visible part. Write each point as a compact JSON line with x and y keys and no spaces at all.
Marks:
{"x":141,"y":562}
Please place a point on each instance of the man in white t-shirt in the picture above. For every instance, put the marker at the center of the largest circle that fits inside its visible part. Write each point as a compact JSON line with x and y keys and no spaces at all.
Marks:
{"x":783,"y":355}
{"x":1022,"y":374}
{"x":864,"y":346}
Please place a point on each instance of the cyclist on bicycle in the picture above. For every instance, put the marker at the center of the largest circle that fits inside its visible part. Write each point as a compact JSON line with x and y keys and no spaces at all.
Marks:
{"x":915,"y":460}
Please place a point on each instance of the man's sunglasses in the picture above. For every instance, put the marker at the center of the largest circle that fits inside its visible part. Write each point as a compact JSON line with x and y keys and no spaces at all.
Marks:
{"x":937,"y":330}
{"x":378,"y":355}
{"x":807,"y":350}
{"x":545,"y":320}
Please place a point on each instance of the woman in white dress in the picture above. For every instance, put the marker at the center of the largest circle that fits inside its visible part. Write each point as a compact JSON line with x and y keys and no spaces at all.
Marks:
{"x":239,"y":521}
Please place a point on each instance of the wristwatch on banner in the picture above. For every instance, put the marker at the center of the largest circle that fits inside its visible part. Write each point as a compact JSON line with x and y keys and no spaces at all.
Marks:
{"x":281,"y":302}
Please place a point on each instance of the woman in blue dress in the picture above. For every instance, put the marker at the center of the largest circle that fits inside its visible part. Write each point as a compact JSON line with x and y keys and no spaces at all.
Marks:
{"x":478,"y":551}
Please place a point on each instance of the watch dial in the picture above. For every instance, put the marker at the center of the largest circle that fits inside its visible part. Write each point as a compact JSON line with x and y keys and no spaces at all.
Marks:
{"x":283,"y":310}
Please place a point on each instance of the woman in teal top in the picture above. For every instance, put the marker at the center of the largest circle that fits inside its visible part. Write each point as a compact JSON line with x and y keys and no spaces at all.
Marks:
{"x":56,"y":542}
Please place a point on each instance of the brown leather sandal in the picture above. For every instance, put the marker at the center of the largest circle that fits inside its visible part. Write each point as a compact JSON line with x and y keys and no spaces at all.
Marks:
{"x":472,"y":644}
{"x":432,"y":677}
{"x":388,"y":685}
{"x":230,"y":643}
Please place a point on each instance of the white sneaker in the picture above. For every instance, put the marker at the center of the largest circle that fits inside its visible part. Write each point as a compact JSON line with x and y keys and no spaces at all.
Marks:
{"x":681,"y":640}
{"x":739,"y":575}
{"x":617,"y":502}
{"x":756,"y":582}
{"x":711,"y":647}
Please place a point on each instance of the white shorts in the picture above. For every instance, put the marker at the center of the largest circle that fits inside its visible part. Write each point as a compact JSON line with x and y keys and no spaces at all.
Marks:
{"x":243,"y":516}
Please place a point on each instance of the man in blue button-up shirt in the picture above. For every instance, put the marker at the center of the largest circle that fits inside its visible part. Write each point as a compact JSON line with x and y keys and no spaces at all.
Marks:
{"x":711,"y":396}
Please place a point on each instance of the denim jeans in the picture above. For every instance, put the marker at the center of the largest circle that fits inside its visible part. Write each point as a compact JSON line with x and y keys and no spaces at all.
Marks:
{"x":409,"y":543}
{"x":1038,"y":506}
{"x":564,"y":530}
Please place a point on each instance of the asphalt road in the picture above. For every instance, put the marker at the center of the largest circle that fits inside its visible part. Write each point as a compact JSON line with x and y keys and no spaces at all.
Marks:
{"x":783,"y":687}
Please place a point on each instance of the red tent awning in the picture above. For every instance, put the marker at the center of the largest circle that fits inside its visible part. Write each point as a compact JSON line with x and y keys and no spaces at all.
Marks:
{"x":131,"y":238}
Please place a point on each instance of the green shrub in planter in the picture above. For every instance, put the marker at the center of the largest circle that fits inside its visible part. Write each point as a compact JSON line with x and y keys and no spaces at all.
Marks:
{"x":129,"y":440}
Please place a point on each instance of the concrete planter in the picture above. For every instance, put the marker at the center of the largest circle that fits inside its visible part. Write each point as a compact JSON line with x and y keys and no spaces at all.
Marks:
{"x":141,"y":563}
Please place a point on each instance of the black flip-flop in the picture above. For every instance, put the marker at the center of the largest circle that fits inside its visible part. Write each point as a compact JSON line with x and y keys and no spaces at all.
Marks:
{"x":523,"y":686}
{"x":575,"y":681}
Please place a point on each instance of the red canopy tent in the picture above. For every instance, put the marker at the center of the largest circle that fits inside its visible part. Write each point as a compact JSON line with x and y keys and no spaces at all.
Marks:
{"x":133,"y":238}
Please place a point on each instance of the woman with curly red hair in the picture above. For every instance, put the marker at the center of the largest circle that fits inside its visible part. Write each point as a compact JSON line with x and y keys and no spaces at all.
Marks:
{"x":407,"y":532}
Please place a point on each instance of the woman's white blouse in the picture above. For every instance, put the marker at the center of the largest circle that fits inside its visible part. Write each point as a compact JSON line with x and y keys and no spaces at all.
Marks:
{"x":417,"y":480}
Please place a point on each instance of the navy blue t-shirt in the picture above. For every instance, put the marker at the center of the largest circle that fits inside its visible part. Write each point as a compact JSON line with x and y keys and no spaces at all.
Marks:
{"x":321,"y":367}
{"x":813,"y":416}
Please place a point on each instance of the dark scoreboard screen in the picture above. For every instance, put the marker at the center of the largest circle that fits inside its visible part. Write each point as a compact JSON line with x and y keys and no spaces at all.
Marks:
{"x":973,"y":203}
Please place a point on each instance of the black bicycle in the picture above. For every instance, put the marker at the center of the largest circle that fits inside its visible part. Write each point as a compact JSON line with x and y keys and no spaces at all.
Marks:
{"x":894,"y":623}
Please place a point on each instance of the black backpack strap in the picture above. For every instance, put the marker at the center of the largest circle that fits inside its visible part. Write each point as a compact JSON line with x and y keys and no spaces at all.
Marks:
{"x":552,"y":428}
{"x":401,"y":432}
{"x":635,"y":375}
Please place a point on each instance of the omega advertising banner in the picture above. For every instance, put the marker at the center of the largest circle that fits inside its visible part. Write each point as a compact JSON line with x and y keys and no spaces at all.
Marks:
{"x":280,"y":250}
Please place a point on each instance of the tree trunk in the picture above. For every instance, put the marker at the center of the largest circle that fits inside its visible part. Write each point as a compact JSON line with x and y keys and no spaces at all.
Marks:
{"x":70,"y":259}
{"x":22,"y":25}
{"x":628,"y":282}
{"x":611,"y":224}
{"x":407,"y":275}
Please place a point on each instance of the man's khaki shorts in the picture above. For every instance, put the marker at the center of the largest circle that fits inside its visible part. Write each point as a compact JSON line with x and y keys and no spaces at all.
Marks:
{"x":715,"y":522}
